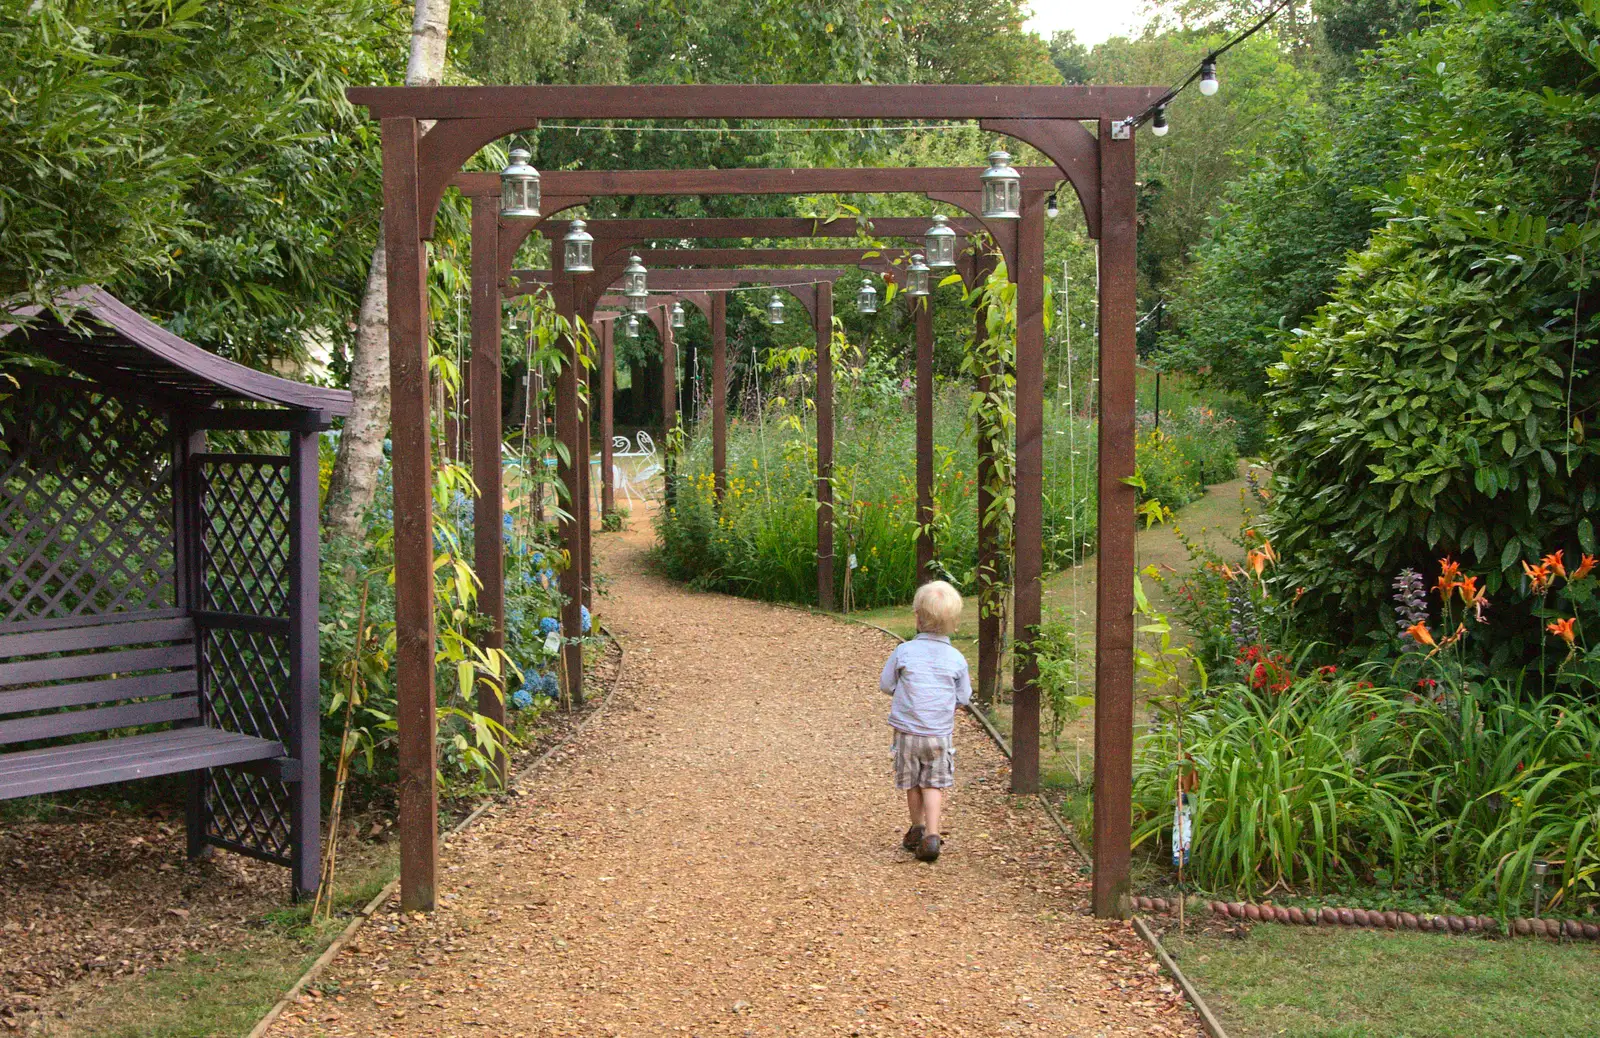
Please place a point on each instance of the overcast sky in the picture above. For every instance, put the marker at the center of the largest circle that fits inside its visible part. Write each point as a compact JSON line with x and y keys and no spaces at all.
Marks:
{"x":1095,"y":21}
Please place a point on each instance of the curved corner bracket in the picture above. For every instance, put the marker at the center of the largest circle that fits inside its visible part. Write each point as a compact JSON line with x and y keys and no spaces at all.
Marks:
{"x":1074,"y":150}
{"x":1004,"y":232}
{"x":445,"y":148}
{"x":514,"y":232}
{"x":807,"y":295}
{"x":699,"y":300}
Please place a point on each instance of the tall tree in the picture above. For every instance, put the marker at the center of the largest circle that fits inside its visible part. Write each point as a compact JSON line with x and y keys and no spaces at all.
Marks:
{"x":355,"y":474}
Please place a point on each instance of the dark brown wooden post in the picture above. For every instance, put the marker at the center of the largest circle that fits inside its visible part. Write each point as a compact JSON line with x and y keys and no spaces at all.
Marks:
{"x":1114,"y":620}
{"x":188,"y":441}
{"x":991,"y":602}
{"x":305,"y":731}
{"x":824,"y":325}
{"x":923,"y":310}
{"x":585,"y":483}
{"x":606,"y":330}
{"x":1028,"y":535}
{"x":407,"y":260}
{"x":669,"y":405}
{"x":719,"y":392}
{"x":562,"y":290}
{"x":483,"y":425}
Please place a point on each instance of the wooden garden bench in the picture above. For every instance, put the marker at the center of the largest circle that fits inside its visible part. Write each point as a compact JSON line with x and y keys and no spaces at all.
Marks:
{"x":55,"y":685}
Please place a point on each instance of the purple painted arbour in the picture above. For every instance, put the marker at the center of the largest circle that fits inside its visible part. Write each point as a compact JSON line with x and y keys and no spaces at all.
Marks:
{"x":151,"y":581}
{"x":417,"y":170}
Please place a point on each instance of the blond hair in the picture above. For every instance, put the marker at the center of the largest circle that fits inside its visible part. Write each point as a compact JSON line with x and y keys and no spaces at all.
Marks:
{"x":937,"y":607}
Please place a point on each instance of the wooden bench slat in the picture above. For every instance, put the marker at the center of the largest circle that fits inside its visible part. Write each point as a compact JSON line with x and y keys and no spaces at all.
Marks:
{"x":98,"y":636}
{"x":138,"y":756}
{"x":77,"y":722}
{"x":140,"y":686}
{"x":90,"y":754}
{"x":95,"y":663}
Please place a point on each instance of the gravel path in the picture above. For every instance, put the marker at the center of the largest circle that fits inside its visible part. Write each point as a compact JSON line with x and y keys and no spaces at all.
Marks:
{"x":720,"y":856}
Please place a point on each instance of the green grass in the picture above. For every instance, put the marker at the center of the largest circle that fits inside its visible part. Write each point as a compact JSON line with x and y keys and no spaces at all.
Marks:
{"x":1302,"y":982}
{"x":224,"y":992}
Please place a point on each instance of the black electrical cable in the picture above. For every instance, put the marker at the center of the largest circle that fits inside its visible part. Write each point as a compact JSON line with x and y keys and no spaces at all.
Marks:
{"x":1209,"y":60}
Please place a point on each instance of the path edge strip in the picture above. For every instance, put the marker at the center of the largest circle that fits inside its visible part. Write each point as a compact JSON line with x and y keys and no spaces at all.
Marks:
{"x":371,"y":907}
{"x":1208,"y":1019}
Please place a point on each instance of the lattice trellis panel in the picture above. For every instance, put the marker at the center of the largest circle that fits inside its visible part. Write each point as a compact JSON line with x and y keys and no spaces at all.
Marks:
{"x":244,"y":530}
{"x":244,"y":550}
{"x":86,"y":518}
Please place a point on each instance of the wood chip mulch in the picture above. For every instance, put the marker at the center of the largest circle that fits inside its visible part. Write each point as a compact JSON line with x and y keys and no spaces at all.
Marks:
{"x":719,"y":855}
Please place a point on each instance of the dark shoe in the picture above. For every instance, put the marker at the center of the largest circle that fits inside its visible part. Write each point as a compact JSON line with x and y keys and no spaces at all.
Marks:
{"x":929,"y":849}
{"x":913,"y":838}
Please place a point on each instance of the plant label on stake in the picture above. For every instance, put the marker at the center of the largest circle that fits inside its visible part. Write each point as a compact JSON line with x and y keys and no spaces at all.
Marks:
{"x":552,"y":643}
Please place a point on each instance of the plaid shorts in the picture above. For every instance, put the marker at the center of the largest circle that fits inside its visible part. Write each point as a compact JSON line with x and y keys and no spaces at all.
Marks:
{"x":924,"y":761}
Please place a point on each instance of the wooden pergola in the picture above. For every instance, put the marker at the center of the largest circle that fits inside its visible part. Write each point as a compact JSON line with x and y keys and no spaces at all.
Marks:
{"x":419,"y":165}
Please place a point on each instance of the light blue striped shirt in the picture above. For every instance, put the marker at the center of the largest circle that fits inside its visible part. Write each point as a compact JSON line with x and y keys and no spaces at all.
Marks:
{"x":927,"y":677}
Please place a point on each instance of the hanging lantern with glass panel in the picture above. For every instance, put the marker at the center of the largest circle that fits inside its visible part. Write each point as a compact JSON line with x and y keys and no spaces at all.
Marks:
{"x":577,"y":253}
{"x":631,"y":327}
{"x":634,"y":288}
{"x":867,"y":299}
{"x":679,"y":318}
{"x":1002,"y":188}
{"x":775,"y":309}
{"x":941,"y":242}
{"x":519,"y":186}
{"x":917,"y":277}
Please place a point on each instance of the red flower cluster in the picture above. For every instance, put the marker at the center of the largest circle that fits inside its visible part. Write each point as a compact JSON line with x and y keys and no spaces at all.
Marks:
{"x":1269,"y":671}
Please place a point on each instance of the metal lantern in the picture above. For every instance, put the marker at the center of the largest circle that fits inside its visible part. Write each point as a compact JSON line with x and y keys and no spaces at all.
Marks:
{"x":775,"y":309}
{"x":577,"y":253}
{"x":634,"y":277}
{"x":519,"y":186}
{"x":631,"y":328}
{"x":917,"y":277}
{"x":679,"y":319}
{"x":941,"y":242}
{"x":1158,"y":123}
{"x":1002,"y":188}
{"x":867,"y":299}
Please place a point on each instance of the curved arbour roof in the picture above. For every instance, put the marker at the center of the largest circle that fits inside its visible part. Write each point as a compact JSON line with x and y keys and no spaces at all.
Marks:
{"x":110,"y":343}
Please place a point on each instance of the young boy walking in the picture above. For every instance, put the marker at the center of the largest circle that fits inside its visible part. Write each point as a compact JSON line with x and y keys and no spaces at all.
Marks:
{"x":927,"y":677}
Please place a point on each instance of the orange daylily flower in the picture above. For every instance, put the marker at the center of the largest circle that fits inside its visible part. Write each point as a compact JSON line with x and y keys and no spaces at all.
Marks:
{"x":1563,"y":629}
{"x":1539,"y":575}
{"x":1257,"y":560}
{"x":1467,"y":587}
{"x":1449,"y":577}
{"x":1553,"y":562}
{"x":1584,"y":568}
{"x":1419,"y":631}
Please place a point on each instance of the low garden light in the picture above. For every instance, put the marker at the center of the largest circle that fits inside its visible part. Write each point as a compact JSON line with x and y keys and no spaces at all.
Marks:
{"x":941,"y":243}
{"x":1002,"y":188}
{"x":577,"y":249}
{"x":775,"y":309}
{"x":519,"y":186}
{"x":678,"y":317}
{"x":867,"y":299}
{"x":1208,"y":77}
{"x":631,"y":328}
{"x":634,"y":287}
{"x":917,"y":277}
{"x":1540,"y":869}
{"x":1158,"y":122}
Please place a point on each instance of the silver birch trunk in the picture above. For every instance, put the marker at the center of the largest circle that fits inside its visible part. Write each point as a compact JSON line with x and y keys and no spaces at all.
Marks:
{"x":355,"y":474}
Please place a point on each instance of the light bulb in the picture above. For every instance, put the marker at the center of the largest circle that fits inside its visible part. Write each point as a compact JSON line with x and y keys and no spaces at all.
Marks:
{"x":1051,"y":209}
{"x":1208,"y":78}
{"x":1158,"y":125}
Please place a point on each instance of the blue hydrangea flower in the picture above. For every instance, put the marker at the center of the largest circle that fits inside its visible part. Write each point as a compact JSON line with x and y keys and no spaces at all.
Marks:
{"x":549,"y":686}
{"x":549,"y":625}
{"x":522,"y":698}
{"x":587,"y":623}
{"x":546,"y":576}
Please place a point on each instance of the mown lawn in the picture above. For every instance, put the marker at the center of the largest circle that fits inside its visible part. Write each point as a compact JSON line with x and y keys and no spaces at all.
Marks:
{"x":1301,"y":982}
